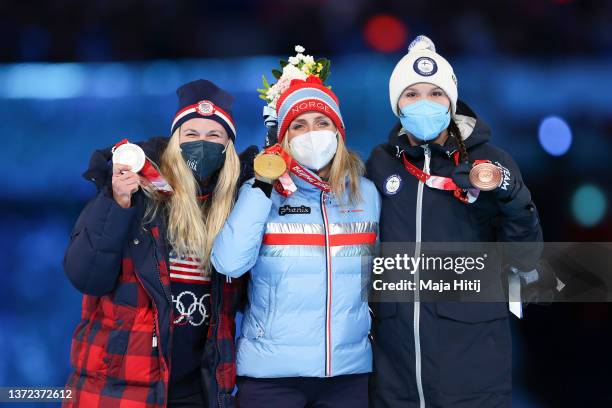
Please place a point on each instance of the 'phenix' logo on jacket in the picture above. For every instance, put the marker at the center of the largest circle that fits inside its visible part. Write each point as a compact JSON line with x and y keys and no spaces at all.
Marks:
{"x":287,"y":209}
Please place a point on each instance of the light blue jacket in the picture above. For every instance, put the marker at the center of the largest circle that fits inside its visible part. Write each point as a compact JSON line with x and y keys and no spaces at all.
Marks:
{"x":306,"y":314}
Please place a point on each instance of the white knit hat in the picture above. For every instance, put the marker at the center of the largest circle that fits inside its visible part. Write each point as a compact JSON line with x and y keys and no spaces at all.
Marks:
{"x":422,"y":64}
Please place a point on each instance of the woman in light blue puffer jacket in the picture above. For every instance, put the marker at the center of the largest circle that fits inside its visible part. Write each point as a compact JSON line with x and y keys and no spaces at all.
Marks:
{"x":305,"y":330}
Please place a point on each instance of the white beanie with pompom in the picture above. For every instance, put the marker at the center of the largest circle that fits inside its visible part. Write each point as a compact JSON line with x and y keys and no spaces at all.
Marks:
{"x":422,"y":64}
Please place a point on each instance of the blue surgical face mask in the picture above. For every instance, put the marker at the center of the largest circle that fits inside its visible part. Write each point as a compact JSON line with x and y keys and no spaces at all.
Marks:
{"x":203,"y":157}
{"x":425,"y":119}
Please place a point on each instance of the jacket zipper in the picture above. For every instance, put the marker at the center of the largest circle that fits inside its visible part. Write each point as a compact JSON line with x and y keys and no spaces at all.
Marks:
{"x":417,"y":303}
{"x":156,"y":337}
{"x":154,"y":340}
{"x":217,"y":290}
{"x":328,"y":270}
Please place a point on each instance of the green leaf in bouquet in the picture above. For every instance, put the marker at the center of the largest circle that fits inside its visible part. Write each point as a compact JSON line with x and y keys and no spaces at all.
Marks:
{"x":325,"y":71}
{"x":277,"y":74}
{"x":265,"y":82}
{"x":283,"y":63}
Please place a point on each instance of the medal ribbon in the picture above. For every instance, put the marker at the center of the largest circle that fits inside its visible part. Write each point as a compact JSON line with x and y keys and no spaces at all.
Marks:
{"x":150,"y":172}
{"x":284,"y":185}
{"x":204,"y":197}
{"x":442,"y":183}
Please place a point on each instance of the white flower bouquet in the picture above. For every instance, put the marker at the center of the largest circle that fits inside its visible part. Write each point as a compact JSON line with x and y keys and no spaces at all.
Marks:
{"x":299,"y":66}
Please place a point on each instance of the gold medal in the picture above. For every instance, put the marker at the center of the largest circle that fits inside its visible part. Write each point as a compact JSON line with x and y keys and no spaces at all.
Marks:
{"x":485,"y":176}
{"x":269,"y":166}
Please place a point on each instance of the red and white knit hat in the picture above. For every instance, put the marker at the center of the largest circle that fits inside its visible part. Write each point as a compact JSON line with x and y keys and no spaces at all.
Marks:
{"x":303,"y":96}
{"x":203,"y":99}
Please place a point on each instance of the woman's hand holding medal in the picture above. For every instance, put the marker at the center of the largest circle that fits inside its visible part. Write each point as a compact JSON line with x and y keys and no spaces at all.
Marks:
{"x":483,"y":175}
{"x":128,"y":160}
{"x":125,"y":183}
{"x":270,"y":165}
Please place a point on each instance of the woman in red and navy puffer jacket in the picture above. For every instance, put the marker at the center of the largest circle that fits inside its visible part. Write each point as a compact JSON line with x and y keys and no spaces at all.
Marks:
{"x":157,"y":324}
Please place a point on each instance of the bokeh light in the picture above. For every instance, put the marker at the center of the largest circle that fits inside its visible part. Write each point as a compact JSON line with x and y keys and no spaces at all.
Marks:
{"x":385,"y":33}
{"x":555,"y":135}
{"x":589,"y":205}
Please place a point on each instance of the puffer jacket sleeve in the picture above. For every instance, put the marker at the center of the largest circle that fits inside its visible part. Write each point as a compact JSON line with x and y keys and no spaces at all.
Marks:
{"x":237,"y":246}
{"x":519,"y":222}
{"x":93,"y":259}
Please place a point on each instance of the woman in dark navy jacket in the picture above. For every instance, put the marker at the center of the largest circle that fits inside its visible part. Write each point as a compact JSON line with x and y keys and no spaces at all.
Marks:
{"x":444,"y":354}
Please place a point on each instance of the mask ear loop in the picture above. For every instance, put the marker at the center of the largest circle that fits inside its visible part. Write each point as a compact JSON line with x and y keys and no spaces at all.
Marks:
{"x":399,"y":110}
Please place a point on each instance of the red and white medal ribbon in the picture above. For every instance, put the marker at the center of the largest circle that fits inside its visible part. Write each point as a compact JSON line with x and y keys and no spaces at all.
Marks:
{"x":441,"y":183}
{"x":308,"y":176}
{"x":132,"y":155}
{"x":284,"y":185}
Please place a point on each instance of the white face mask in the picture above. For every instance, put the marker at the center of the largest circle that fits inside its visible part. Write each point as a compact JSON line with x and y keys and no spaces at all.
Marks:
{"x":314,"y":150}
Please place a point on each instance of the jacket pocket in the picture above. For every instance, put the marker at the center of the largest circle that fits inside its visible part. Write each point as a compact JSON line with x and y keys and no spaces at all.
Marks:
{"x":257,"y":319}
{"x":252,"y":329}
{"x":85,"y":356}
{"x":474,"y":348}
{"x":76,"y":232}
{"x":474,"y":312}
{"x":140,"y":362}
{"x":383,"y":310}
{"x":383,"y":314}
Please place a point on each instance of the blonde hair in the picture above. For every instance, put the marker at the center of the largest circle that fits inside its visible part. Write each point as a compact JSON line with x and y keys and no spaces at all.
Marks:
{"x":345,"y":163}
{"x":193,"y":226}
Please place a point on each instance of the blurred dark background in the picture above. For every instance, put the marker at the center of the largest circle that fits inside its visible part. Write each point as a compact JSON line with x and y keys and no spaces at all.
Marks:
{"x":76,"y":76}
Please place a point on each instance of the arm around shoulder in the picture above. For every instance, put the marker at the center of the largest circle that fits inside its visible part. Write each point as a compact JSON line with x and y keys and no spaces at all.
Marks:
{"x":236,"y":248}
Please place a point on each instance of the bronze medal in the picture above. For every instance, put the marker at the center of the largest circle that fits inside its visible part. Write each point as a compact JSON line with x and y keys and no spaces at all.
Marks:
{"x":485,"y":176}
{"x":269,"y":166}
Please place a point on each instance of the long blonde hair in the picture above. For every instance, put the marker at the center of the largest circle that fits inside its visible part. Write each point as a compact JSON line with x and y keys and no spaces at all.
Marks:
{"x":193,"y":226}
{"x":345,"y":163}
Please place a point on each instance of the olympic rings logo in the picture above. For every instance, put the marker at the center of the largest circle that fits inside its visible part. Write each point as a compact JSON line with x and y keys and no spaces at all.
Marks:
{"x":195,"y":314}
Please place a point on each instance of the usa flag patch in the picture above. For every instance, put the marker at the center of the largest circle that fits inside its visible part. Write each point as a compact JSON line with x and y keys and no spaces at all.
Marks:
{"x":187,"y":270}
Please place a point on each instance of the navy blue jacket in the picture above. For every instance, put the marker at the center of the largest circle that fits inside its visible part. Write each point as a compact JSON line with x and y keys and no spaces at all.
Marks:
{"x":446,"y":354}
